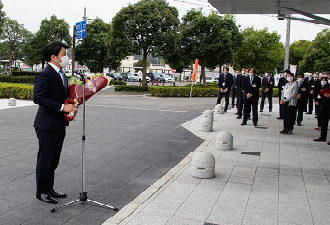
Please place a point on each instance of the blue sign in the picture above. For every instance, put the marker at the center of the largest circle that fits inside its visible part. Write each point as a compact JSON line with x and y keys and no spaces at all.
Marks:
{"x":81,"y":30}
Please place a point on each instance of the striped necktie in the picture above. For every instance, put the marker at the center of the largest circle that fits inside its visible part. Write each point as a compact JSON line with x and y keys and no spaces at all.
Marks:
{"x":64,"y":81}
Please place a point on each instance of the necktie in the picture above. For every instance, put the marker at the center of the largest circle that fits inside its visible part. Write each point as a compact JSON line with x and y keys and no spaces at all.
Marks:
{"x":251,"y":79}
{"x":64,"y":81}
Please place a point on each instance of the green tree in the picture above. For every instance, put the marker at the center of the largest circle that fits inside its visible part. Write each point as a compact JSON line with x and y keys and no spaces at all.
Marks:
{"x":2,"y":17}
{"x":261,"y":50}
{"x":139,"y":63}
{"x":15,"y":36}
{"x":317,"y":57}
{"x":211,"y":39}
{"x":50,"y":30}
{"x":298,"y":50}
{"x":147,"y":27}
{"x":93,"y":51}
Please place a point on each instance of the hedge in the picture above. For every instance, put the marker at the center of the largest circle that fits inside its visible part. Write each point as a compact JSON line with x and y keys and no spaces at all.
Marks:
{"x":17,"y":79}
{"x":23,"y":73}
{"x":131,"y":88}
{"x":118,"y":82}
{"x":18,"y":91}
{"x":183,"y":92}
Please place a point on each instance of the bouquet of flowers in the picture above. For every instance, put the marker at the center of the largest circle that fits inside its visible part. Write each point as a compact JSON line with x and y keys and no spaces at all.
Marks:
{"x":93,"y":85}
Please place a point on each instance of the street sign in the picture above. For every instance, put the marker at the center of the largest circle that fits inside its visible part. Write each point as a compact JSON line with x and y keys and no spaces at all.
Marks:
{"x":173,"y":70}
{"x":81,"y":30}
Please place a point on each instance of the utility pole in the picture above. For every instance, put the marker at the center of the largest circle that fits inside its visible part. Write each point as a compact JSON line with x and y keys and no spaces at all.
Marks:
{"x":287,"y":43}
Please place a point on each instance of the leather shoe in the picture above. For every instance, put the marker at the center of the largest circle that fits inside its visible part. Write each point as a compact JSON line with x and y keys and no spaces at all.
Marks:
{"x":55,"y":194}
{"x":255,"y":124}
{"x":299,"y":124}
{"x":261,"y":110}
{"x":328,"y":143}
{"x":308,"y":113}
{"x":46,"y":198}
{"x":283,"y":131}
{"x":319,"y":139}
{"x":239,"y":117}
{"x":243,"y":123}
{"x":279,"y":118}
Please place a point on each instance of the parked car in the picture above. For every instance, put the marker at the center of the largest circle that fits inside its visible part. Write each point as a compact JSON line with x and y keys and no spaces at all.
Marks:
{"x":155,"y":77}
{"x":124,"y":76}
{"x":140,"y":77}
{"x":167,"y":78}
{"x":116,"y":76}
{"x":132,"y":77}
{"x":212,"y":79}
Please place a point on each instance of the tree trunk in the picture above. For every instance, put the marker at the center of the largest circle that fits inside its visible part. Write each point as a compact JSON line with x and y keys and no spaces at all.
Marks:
{"x":144,"y":66}
{"x":203,"y":74}
{"x":10,"y":60}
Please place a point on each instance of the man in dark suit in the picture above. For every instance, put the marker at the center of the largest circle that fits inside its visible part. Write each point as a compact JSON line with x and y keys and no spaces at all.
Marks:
{"x":50,"y":93}
{"x":251,"y":87}
{"x":234,"y":89}
{"x":240,"y":100}
{"x":225,"y":83}
{"x":301,"y":98}
{"x":281,"y":83}
{"x":313,"y":89}
{"x":267,"y":85}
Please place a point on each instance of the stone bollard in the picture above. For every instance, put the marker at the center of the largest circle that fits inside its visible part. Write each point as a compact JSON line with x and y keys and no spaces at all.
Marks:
{"x":11,"y":102}
{"x":224,"y":141}
{"x":202,"y":165}
{"x":208,"y":114}
{"x":206,"y":124}
{"x":218,"y":109}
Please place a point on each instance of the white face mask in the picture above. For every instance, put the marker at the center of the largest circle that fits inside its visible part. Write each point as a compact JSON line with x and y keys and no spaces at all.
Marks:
{"x":323,"y":82}
{"x":267,"y":74}
{"x":289,"y":78}
{"x":300,"y":80}
{"x":328,"y":81}
{"x":243,"y":72}
{"x":251,"y":74}
{"x":315,"y":75}
{"x":65,"y":61}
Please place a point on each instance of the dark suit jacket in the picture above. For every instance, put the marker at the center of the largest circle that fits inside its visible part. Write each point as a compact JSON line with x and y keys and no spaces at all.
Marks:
{"x":228,"y":82}
{"x":252,"y":89}
{"x":315,"y":86}
{"x":265,"y":84}
{"x":49,"y":93}
{"x":281,"y":83}
{"x":303,"y":90}
{"x":234,"y":87}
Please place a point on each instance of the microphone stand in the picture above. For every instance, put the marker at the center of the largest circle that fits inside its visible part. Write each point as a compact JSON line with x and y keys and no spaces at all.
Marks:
{"x":83,"y":194}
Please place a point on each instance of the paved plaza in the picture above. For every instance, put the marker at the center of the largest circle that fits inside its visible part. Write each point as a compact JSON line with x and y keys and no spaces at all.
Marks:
{"x":139,"y":152}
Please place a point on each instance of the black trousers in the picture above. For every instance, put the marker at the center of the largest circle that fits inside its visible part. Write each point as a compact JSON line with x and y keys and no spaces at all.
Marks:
{"x":324,"y":124}
{"x":233,"y":96}
{"x":240,"y":102}
{"x":251,"y":103}
{"x":269,"y":96}
{"x":300,"y":112}
{"x":280,"y":105}
{"x":226,"y":94}
{"x":289,"y":116}
{"x":310,"y":102}
{"x":50,"y":147}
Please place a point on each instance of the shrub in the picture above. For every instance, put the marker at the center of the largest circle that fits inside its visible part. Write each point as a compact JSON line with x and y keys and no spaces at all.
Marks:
{"x":18,"y":91}
{"x":23,"y":73}
{"x":183,"y":92}
{"x":131,"y":88}
{"x":17,"y":79}
{"x":118,"y":82}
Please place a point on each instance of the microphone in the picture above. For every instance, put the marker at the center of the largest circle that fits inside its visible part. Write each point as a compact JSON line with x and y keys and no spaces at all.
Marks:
{"x":82,"y":76}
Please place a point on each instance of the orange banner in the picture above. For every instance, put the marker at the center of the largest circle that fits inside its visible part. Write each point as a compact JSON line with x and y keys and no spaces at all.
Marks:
{"x":195,"y":71}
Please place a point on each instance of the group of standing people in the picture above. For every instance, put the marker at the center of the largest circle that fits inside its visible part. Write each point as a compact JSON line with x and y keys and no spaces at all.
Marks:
{"x":297,"y":95}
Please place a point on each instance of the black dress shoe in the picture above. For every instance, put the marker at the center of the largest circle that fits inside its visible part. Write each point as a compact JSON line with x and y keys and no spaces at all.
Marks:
{"x":288,"y":132}
{"x":280,"y":118}
{"x":46,"y":198}
{"x":55,"y":194}
{"x":243,"y":123}
{"x":319,"y":139}
{"x":236,"y":113}
{"x":261,"y":110}
{"x":239,"y":117}
{"x":299,"y":124}
{"x":283,"y":131}
{"x":255,"y":124}
{"x":308,"y":113}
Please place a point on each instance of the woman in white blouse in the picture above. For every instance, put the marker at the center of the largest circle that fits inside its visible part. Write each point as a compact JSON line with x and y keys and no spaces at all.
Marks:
{"x":289,"y":103}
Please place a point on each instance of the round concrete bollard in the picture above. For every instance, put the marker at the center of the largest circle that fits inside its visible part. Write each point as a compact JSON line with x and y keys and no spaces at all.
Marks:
{"x":224,"y":141}
{"x":206,"y":124}
{"x":218,"y":109}
{"x":208,"y":114}
{"x":11,"y":102}
{"x":203,"y":165}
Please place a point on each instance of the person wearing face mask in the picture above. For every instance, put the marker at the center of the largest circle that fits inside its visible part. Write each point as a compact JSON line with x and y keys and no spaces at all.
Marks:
{"x":289,"y":103}
{"x":251,"y":87}
{"x":324,"y":111}
{"x":281,"y":83}
{"x":240,"y":100}
{"x":225,"y":83}
{"x":313,"y":88}
{"x":267,"y":85}
{"x":301,"y":98}
{"x":318,"y":101}
{"x":50,"y":92}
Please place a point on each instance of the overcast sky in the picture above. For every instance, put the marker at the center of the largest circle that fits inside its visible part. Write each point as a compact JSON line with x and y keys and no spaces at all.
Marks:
{"x":30,"y":13}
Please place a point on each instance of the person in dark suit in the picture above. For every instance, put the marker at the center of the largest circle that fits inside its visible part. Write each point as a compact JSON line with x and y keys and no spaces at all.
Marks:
{"x":313,"y":89}
{"x":325,"y":111}
{"x":234,"y":88}
{"x":50,"y":93}
{"x":318,"y":101}
{"x":225,"y":83}
{"x":240,"y":101}
{"x":281,"y":83}
{"x":251,"y":87}
{"x":267,"y":85}
{"x":301,"y":98}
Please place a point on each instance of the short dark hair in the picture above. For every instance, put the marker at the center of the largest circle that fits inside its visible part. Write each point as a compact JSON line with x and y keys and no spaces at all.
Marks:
{"x":254,"y":70}
{"x":300,"y":75}
{"x":53,"y":48}
{"x":287,"y":71}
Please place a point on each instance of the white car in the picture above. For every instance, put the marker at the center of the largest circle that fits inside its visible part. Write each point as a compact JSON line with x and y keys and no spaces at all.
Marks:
{"x":212,"y":79}
{"x":132,"y":77}
{"x":167,"y":78}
